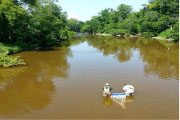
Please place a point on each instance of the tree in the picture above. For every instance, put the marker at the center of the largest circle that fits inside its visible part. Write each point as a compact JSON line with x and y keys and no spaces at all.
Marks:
{"x":47,"y":24}
{"x":154,"y":18}
{"x":14,"y":22}
{"x":74,"y":24}
{"x":40,"y":25}
{"x":123,"y":11}
{"x":131,"y":24}
{"x":167,"y":7}
{"x":175,"y":31}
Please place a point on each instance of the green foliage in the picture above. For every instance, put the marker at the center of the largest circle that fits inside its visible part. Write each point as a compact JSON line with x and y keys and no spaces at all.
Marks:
{"x":9,"y":49}
{"x":66,"y":34}
{"x":131,"y":24}
{"x":85,"y":28}
{"x":123,"y":11}
{"x":49,"y":25}
{"x":74,"y":24}
{"x":31,"y":24}
{"x":40,"y":25}
{"x":30,"y":2}
{"x":148,"y":34}
{"x":117,"y":32}
{"x":175,"y":32}
{"x":153,"y":19}
{"x":165,"y":34}
{"x":168,"y":7}
{"x":13,"y":22}
{"x":9,"y":61}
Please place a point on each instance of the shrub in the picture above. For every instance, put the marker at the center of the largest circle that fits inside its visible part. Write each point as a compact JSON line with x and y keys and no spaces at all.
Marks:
{"x":9,"y":48}
{"x":118,"y":32}
{"x":148,"y":34}
{"x":175,"y":32}
{"x":9,"y":61}
{"x":165,"y":34}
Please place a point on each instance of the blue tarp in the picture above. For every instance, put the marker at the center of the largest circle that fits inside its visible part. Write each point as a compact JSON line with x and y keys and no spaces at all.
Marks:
{"x":118,"y":94}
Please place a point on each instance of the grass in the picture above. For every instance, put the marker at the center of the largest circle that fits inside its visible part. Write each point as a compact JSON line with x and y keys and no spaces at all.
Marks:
{"x":6,"y":60}
{"x":165,"y":34}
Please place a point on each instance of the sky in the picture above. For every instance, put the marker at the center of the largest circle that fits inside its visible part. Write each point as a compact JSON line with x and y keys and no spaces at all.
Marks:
{"x":84,"y":9}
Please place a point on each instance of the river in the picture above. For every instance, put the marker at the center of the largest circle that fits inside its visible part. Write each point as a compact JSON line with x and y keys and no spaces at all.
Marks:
{"x":66,"y":82}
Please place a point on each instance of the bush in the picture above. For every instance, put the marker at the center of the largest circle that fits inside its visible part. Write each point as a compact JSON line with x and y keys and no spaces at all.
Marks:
{"x":148,"y":34}
{"x":9,"y":49}
{"x":65,"y":34}
{"x":9,"y":61}
{"x":165,"y":34}
{"x":117,"y":32}
{"x":175,"y":32}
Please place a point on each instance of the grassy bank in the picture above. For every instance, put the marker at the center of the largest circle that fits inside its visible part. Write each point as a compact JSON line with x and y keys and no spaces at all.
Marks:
{"x":6,"y":60}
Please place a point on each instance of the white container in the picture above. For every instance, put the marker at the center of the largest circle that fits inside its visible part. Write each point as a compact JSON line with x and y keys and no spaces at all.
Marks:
{"x":118,"y":96}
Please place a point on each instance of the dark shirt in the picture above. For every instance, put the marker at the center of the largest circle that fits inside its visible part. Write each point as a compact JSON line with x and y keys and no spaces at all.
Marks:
{"x":109,"y":87}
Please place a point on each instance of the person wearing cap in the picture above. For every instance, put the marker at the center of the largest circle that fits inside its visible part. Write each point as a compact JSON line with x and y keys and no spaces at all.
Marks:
{"x":129,"y":90}
{"x":107,"y":90}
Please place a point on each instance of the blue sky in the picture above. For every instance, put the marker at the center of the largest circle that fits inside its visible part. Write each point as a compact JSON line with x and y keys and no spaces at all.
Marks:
{"x":84,"y":9}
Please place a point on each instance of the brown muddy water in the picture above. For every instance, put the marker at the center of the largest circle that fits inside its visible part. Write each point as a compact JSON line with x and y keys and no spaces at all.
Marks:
{"x":66,"y":82}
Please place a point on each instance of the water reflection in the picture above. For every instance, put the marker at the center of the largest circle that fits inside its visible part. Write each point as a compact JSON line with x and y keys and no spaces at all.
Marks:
{"x":7,"y":75}
{"x":124,"y":102}
{"x":109,"y":101}
{"x":161,"y":58}
{"x":31,"y":88}
{"x":112,"y":45}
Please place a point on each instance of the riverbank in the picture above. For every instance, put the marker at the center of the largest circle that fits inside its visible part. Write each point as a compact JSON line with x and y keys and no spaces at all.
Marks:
{"x":6,"y":51}
{"x":126,"y":35}
{"x":103,"y":34}
{"x":161,"y":38}
{"x":7,"y":60}
{"x":137,"y":35}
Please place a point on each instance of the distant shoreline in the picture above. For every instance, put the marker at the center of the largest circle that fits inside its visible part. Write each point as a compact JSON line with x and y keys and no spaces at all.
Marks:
{"x":137,"y":35}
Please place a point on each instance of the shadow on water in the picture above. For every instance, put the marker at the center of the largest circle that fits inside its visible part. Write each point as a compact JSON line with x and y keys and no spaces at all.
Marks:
{"x":47,"y":49}
{"x":30,"y":88}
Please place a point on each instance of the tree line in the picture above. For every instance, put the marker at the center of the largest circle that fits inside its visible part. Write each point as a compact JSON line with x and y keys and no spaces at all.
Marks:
{"x":33,"y":22}
{"x":43,"y":23}
{"x":30,"y":24}
{"x":158,"y":18}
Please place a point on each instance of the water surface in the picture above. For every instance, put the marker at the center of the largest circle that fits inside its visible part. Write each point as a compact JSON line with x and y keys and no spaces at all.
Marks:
{"x":66,"y":82}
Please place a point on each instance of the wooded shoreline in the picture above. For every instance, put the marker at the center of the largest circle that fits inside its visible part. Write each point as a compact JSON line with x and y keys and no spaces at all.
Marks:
{"x":138,"y":35}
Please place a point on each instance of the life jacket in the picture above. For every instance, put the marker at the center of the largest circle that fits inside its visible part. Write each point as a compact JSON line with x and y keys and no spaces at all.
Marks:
{"x":107,"y":89}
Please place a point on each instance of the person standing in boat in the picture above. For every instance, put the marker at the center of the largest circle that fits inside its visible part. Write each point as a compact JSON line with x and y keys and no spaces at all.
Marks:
{"x":107,"y":90}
